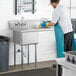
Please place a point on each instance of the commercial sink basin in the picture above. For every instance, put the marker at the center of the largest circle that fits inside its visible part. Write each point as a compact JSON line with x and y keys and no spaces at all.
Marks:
{"x":27,"y":33}
{"x":25,"y":37}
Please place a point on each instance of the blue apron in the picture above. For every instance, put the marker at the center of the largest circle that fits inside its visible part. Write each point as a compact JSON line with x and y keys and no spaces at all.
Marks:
{"x":59,"y":35}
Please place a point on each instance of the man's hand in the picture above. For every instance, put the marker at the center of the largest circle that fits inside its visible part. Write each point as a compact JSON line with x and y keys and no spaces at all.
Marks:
{"x":40,"y":27}
{"x":51,"y":24}
{"x":47,"y":25}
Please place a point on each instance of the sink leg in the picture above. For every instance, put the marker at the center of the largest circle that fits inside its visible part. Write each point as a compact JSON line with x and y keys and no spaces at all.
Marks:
{"x":57,"y":69}
{"x":28,"y":55}
{"x":14,"y":54}
{"x":35,"y":55}
{"x":22,"y":56}
{"x":25,"y":51}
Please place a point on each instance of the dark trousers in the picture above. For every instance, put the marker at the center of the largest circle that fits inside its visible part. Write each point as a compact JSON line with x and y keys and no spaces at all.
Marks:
{"x":68,"y":42}
{"x":67,"y":47}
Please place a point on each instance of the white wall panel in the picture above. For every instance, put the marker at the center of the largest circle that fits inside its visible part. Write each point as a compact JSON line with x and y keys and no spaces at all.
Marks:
{"x":46,"y":47}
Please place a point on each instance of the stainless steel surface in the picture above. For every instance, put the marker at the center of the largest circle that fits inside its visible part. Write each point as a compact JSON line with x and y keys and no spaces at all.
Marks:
{"x":25,"y":52}
{"x":57,"y":69}
{"x":26,"y":5}
{"x":26,"y":35}
{"x":70,"y":57}
{"x":74,"y":24}
{"x":31,"y":26}
{"x":22,"y":56}
{"x":14,"y":54}
{"x":35,"y":54}
{"x":28,"y":55}
{"x":25,"y":38}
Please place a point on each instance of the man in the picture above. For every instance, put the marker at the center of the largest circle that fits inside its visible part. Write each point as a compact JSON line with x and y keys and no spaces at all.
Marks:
{"x":62,"y":16}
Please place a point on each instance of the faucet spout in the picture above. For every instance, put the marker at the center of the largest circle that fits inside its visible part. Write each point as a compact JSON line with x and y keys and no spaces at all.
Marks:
{"x":23,"y":22}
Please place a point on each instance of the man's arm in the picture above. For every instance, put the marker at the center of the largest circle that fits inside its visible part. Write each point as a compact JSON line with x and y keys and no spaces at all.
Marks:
{"x":55,"y":18}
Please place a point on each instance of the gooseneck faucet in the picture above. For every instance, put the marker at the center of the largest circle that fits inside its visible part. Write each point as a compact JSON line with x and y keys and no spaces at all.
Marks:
{"x":23,"y":22}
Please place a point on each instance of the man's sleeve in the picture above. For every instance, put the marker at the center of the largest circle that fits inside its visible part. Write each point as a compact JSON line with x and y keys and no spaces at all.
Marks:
{"x":55,"y":16}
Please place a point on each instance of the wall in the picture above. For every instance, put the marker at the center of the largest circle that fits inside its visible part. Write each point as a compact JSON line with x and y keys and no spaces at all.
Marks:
{"x":73,"y":6}
{"x":46,"y":47}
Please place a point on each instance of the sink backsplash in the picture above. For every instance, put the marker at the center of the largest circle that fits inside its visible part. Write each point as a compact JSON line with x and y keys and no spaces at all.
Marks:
{"x":28,"y":24}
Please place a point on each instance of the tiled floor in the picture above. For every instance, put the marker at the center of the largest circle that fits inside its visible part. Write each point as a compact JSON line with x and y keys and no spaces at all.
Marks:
{"x":46,"y":66}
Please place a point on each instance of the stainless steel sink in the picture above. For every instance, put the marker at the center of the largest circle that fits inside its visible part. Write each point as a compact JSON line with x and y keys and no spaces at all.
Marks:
{"x":26,"y":34}
{"x":25,"y":37}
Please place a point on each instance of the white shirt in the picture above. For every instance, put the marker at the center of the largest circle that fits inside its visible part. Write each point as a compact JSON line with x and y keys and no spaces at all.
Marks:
{"x":61,"y":15}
